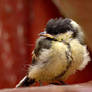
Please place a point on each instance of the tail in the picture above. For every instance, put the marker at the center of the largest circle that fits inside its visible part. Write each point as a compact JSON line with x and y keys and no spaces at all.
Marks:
{"x":25,"y":82}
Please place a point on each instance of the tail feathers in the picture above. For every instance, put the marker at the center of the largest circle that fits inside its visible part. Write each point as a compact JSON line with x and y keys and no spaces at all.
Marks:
{"x":25,"y":82}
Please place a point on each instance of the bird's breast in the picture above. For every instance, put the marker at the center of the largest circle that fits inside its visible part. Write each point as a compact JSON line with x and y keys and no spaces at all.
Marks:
{"x":55,"y":62}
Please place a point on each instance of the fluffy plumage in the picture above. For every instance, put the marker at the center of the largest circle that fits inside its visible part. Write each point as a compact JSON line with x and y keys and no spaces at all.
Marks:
{"x":59,"y":52}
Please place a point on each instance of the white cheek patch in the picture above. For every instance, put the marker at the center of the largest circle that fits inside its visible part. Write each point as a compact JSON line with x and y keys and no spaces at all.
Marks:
{"x":76,"y":27}
{"x":74,"y":24}
{"x":80,"y":34}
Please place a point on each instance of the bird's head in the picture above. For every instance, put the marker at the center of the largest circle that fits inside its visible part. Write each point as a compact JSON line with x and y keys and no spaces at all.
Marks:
{"x":62,"y":29}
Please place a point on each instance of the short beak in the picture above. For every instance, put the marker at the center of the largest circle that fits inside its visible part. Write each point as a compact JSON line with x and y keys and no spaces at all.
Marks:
{"x":46,"y":35}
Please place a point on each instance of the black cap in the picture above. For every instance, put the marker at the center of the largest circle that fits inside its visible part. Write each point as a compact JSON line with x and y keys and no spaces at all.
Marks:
{"x":56,"y":26}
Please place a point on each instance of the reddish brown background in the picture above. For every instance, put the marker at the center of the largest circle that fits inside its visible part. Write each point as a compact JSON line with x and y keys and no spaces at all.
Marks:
{"x":20,"y":23}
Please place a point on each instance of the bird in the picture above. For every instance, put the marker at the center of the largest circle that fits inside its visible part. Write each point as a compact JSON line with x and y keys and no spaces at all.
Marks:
{"x":59,"y":52}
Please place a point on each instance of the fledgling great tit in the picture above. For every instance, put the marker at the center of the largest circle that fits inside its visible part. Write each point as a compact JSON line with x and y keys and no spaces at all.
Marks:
{"x":59,"y":52}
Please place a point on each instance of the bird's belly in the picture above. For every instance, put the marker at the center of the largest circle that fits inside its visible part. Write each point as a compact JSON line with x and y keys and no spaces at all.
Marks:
{"x":55,"y":65}
{"x":49,"y":71}
{"x":52,"y":70}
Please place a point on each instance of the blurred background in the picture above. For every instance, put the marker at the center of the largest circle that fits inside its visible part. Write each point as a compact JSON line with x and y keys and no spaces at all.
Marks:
{"x":20,"y":23}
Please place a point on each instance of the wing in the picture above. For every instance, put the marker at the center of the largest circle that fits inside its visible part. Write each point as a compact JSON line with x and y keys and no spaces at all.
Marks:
{"x":41,"y":44}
